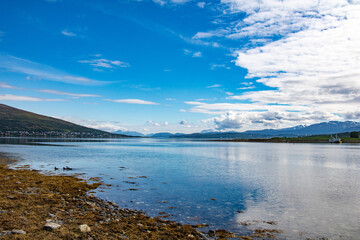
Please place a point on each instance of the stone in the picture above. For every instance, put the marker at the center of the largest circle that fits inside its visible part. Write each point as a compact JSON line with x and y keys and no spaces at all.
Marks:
{"x":22,"y":232}
{"x":3,"y":233}
{"x":84,"y":228}
{"x":51,"y":226}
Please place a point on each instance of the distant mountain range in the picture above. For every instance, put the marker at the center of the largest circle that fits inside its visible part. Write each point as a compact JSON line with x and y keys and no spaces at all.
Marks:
{"x":130,"y":133}
{"x":332,"y":127}
{"x":17,"y":122}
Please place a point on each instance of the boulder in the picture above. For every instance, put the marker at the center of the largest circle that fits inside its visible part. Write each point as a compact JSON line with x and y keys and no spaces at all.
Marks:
{"x":84,"y":228}
{"x":51,"y":226}
{"x":22,"y":232}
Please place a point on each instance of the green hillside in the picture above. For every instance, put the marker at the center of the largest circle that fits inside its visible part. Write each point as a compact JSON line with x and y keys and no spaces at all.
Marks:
{"x":13,"y":119}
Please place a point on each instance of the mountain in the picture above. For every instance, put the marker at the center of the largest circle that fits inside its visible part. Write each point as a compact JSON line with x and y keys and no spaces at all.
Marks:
{"x":165,"y":135}
{"x":332,"y":127}
{"x":20,"y":122}
{"x":129,"y":133}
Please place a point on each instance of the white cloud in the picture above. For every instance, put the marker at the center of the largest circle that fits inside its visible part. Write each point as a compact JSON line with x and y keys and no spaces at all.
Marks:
{"x":170,"y":99}
{"x":192,"y":53}
{"x":246,"y":88}
{"x":152,"y":123}
{"x":306,"y":52}
{"x":214,"y":86}
{"x":163,"y":2}
{"x":253,"y":120}
{"x":201,"y":4}
{"x":132,"y":101}
{"x":214,"y":66}
{"x":318,"y":68}
{"x":42,"y":72}
{"x":9,"y":97}
{"x":5,"y":85}
{"x":221,"y":108}
{"x":197,"y":54}
{"x":67,"y":93}
{"x":67,"y":33}
{"x":99,"y":63}
{"x":109,"y":126}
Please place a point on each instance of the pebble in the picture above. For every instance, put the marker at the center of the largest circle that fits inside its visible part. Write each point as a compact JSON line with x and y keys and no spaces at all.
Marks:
{"x":84,"y":228}
{"x":18,"y":232}
{"x":3,"y":233}
{"x":51,"y":226}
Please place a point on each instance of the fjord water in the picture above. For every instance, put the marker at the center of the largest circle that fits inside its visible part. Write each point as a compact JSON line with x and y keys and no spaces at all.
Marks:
{"x":309,"y":190}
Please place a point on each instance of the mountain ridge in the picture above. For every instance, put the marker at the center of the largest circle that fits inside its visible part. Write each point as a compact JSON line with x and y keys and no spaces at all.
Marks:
{"x":14,"y":122}
{"x":331,"y":127}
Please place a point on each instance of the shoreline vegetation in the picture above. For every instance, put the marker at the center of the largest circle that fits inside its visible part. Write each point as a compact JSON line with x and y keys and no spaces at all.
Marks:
{"x":38,"y":206}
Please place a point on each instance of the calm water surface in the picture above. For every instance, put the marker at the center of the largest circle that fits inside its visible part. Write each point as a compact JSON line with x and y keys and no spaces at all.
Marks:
{"x":309,"y":190}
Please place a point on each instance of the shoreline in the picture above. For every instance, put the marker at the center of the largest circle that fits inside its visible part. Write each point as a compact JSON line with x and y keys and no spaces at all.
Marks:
{"x":38,"y":206}
{"x":30,"y":201}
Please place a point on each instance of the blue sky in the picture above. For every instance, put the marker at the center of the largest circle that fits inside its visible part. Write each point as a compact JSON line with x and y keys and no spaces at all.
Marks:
{"x":181,"y":65}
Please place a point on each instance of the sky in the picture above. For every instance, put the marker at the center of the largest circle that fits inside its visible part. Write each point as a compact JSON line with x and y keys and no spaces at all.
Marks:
{"x":182,"y":65}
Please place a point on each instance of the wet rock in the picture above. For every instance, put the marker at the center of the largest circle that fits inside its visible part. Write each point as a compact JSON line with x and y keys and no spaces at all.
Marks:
{"x":3,"y":233}
{"x":51,"y":226}
{"x":84,"y":228}
{"x":211,"y":233}
{"x":22,"y":232}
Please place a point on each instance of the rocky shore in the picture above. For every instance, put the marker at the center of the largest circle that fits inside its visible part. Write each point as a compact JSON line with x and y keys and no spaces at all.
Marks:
{"x":38,"y":206}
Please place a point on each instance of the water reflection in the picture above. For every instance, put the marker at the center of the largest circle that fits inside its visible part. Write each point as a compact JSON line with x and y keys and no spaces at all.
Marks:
{"x":309,"y":190}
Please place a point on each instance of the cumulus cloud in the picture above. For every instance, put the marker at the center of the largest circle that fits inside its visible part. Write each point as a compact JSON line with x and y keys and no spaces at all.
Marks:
{"x":270,"y":119}
{"x":132,"y":101}
{"x":197,"y":54}
{"x":109,"y":126}
{"x":305,"y":52}
{"x":152,"y":123}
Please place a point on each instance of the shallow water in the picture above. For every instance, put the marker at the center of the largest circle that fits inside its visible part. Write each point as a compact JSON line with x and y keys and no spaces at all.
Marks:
{"x":309,"y":190}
